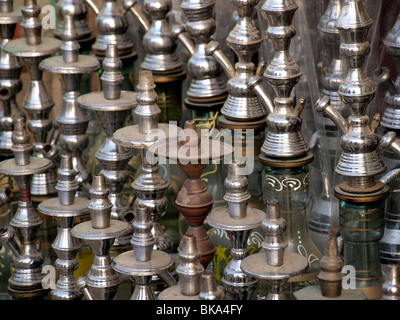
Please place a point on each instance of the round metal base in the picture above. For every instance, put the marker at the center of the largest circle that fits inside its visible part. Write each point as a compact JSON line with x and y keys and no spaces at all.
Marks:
{"x":286,"y":162}
{"x":95,"y":101}
{"x":221,"y":219}
{"x":36,"y":165}
{"x":116,"y":229}
{"x":314,"y":293}
{"x":53,"y":207}
{"x":56,"y":64}
{"x":126,"y":263}
{"x":20,"y":48}
{"x":174,"y":293}
{"x":256,"y":266}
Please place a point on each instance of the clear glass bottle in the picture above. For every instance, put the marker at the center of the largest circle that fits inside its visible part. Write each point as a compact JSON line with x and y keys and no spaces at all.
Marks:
{"x":290,"y":186}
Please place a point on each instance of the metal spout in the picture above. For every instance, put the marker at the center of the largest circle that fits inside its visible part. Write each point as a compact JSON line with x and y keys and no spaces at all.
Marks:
{"x":132,"y":6}
{"x":6,"y":196}
{"x":7,"y":237}
{"x":324,"y":105}
{"x":50,"y":152}
{"x":255,"y":84}
{"x":179,"y":33}
{"x":389,"y":142}
{"x":214,"y":49}
{"x":382,"y":76}
{"x":93,"y":6}
{"x":81,"y":285}
{"x":100,"y":206}
{"x":300,"y":106}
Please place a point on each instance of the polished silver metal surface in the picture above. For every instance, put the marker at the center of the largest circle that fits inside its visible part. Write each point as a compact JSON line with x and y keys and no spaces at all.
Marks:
{"x":72,"y":120}
{"x":284,"y":138}
{"x":100,"y":233}
{"x":244,"y":39}
{"x":10,"y":71}
{"x":149,"y":186}
{"x":20,"y":236}
{"x":112,"y":26}
{"x":65,"y":208}
{"x":391,"y":285}
{"x":207,"y":78}
{"x":209,"y":290}
{"x":189,"y":271}
{"x":360,"y":160}
{"x":143,"y":262}
{"x":111,"y":106}
{"x":78,"y":10}
{"x":159,"y":43}
{"x":33,"y":48}
{"x":238,"y":220}
{"x":272,"y":264}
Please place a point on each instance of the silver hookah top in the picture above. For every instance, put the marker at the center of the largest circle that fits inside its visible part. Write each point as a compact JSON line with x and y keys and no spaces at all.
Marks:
{"x":391,"y":115}
{"x":101,"y":226}
{"x":360,"y":159}
{"x":142,"y":260}
{"x":194,"y":283}
{"x":244,"y":39}
{"x":284,"y":139}
{"x":66,"y":204}
{"x":237,"y":216}
{"x":78,"y":10}
{"x":23,"y":163}
{"x":112,"y":26}
{"x":273,"y":263}
{"x":207,"y":78}
{"x":70,"y":61}
{"x":33,"y":44}
{"x":333,"y":74}
{"x":148,"y":131}
{"x":159,"y":43}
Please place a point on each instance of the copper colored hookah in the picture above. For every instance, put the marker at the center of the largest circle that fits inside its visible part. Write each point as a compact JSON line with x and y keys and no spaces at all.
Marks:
{"x":194,"y":201}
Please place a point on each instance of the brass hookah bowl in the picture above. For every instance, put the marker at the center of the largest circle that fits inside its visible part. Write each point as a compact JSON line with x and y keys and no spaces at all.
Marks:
{"x":194,"y":201}
{"x":66,"y":208}
{"x":72,"y":120}
{"x":32,"y":49}
{"x":273,"y":264}
{"x":360,"y":161}
{"x":10,"y":72}
{"x":194,"y":282}
{"x":26,"y":280}
{"x":238,"y":220}
{"x":100,"y":232}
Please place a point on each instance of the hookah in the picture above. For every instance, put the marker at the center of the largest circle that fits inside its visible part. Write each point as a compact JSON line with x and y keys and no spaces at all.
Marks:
{"x":149,"y":185}
{"x":72,"y":121}
{"x":194,"y":201}
{"x":285,"y":153}
{"x":33,"y":48}
{"x":273,"y":264}
{"x":194,"y":282}
{"x":102,"y":280}
{"x":389,"y":245}
{"x":20,"y":237}
{"x":66,"y":208}
{"x":238,"y":220}
{"x":10,"y":72}
{"x":77,"y":9}
{"x":143,"y":262}
{"x":159,"y":44}
{"x":207,"y":88}
{"x":360,"y":194}
{"x":330,"y":278}
{"x":332,"y":76}
{"x":111,"y":106}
